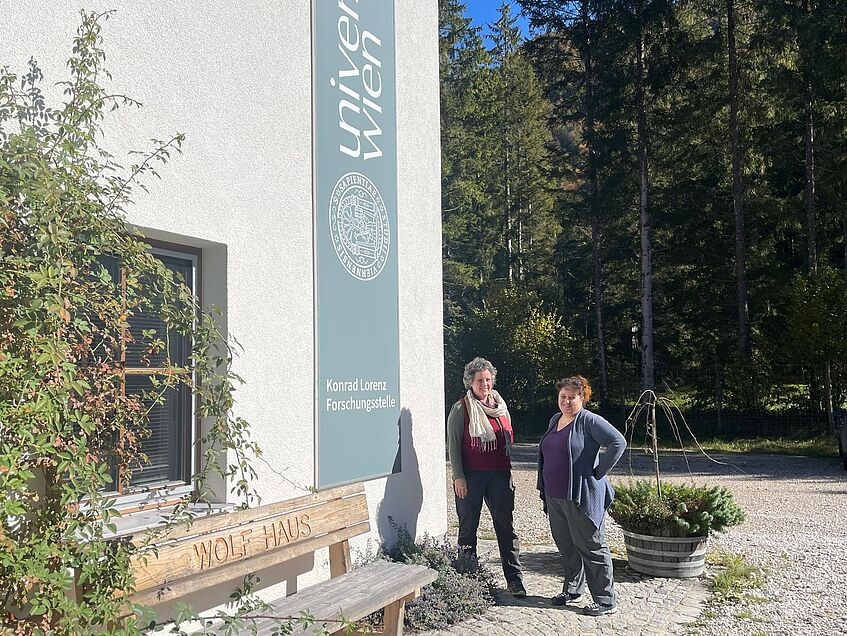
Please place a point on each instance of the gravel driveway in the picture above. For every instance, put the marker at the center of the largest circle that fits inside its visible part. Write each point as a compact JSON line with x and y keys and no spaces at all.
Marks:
{"x":796,"y":529}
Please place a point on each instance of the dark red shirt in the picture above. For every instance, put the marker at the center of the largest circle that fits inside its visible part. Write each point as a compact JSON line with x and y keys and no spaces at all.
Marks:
{"x":473,"y":458}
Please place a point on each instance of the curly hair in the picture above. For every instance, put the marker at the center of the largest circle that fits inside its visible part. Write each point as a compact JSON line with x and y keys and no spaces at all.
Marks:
{"x":576,"y":383}
{"x":475,"y":366}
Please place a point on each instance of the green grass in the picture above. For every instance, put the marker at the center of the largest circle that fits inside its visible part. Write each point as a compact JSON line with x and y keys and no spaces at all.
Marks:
{"x":737,"y":576}
{"x":734,"y":582}
{"x":820,"y":446}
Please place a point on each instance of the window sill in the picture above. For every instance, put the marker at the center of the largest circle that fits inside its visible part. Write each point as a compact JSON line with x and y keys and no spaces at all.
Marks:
{"x":149,"y":497}
{"x":141,"y":520}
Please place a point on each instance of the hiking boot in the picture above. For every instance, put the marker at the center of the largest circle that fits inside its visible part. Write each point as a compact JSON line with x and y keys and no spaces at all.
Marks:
{"x":599,"y":609}
{"x":516,"y":588}
{"x":565,"y":598}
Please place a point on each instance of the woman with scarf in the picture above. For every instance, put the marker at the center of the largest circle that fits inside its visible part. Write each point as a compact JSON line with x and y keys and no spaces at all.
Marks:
{"x":575,"y":494}
{"x":479,"y":441}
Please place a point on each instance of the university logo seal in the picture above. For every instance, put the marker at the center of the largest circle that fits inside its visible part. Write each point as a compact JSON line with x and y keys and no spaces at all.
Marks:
{"x":358,"y":226}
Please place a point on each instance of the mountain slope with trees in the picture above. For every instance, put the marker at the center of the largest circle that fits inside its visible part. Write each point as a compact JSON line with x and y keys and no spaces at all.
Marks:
{"x":664,"y":182}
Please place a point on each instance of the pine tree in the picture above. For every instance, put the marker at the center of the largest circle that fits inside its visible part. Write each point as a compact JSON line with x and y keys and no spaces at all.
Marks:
{"x":466,"y":98}
{"x":520,"y":192}
{"x":737,"y":180}
{"x":565,"y":54}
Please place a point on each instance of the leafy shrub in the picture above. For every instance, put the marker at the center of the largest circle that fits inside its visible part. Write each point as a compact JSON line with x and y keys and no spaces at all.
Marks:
{"x":524,"y":338}
{"x":683,"y":510}
{"x":462,"y":589}
{"x":68,"y":426}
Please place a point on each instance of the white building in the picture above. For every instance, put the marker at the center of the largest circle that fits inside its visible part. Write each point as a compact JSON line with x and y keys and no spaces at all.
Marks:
{"x":242,"y":210}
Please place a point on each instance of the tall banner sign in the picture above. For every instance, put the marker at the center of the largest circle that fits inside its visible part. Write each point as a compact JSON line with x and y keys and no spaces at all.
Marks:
{"x":355,"y":225}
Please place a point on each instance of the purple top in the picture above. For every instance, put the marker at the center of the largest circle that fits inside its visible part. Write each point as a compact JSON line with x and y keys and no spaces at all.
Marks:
{"x":557,"y":463}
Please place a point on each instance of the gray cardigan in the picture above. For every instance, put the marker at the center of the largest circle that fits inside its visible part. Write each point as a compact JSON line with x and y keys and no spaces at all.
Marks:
{"x":590,"y":488}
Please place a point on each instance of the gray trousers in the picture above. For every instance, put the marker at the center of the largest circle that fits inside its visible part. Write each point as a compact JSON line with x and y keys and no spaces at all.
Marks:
{"x":495,"y":487}
{"x":584,"y":551}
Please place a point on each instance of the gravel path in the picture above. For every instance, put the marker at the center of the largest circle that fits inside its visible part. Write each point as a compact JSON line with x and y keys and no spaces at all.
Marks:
{"x":796,"y":529}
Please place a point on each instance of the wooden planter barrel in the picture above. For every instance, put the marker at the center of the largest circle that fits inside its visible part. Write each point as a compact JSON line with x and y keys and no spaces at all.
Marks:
{"x":671,"y":557}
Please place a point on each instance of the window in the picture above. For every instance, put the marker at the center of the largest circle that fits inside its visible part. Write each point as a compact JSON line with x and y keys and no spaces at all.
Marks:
{"x":168,"y":446}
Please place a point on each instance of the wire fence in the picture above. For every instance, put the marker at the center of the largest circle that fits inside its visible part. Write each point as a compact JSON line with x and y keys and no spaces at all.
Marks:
{"x":705,"y":424}
{"x":728,"y":403}
{"x":742,"y":401}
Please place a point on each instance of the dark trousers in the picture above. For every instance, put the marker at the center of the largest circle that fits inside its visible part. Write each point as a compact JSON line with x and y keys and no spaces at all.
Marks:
{"x":496,"y":489}
{"x":584,"y":550}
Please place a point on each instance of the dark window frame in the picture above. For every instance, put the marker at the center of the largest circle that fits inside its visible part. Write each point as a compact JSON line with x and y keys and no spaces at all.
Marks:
{"x":188,"y":406}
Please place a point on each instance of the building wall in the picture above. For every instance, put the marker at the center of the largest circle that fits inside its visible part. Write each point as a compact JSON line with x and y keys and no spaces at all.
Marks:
{"x":236,"y":79}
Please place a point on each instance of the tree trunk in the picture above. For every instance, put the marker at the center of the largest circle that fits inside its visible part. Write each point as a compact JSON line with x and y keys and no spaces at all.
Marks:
{"x":737,"y":188}
{"x":593,"y":187}
{"x":809,"y":142}
{"x":811,"y":206}
{"x":844,"y":239}
{"x":827,"y":379}
{"x":718,"y":396}
{"x":597,"y":274}
{"x":509,"y":255}
{"x":647,"y":367}
{"x":520,"y":245}
{"x":524,"y":211}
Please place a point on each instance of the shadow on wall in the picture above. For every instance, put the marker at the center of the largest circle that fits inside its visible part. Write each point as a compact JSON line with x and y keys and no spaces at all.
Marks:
{"x":403,"y":489}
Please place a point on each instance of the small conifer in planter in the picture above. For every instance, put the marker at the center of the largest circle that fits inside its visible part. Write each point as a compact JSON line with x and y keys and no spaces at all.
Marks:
{"x":666,"y":525}
{"x":682,"y":510}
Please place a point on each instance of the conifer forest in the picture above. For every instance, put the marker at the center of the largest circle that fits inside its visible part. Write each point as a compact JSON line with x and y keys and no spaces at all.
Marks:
{"x":653,"y":194}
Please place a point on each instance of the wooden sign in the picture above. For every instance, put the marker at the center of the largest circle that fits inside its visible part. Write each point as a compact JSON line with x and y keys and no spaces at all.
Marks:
{"x":211,"y":546}
{"x":217,"y":550}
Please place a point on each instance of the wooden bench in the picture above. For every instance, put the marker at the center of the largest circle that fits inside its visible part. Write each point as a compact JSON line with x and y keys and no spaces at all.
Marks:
{"x":226,"y":547}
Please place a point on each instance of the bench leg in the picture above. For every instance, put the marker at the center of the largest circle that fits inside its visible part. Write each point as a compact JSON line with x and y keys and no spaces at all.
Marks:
{"x":339,"y":559}
{"x":394,"y":618}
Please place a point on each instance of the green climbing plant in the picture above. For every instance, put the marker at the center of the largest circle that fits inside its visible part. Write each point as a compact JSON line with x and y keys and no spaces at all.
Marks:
{"x":67,"y":424}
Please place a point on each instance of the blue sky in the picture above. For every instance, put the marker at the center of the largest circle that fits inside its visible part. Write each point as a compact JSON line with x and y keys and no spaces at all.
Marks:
{"x":483,"y":12}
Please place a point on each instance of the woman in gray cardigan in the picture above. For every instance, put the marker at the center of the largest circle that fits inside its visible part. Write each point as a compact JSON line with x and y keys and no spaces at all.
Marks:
{"x":576,"y":494}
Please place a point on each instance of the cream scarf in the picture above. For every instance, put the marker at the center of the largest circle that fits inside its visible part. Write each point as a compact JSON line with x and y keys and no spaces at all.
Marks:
{"x":480,"y":429}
